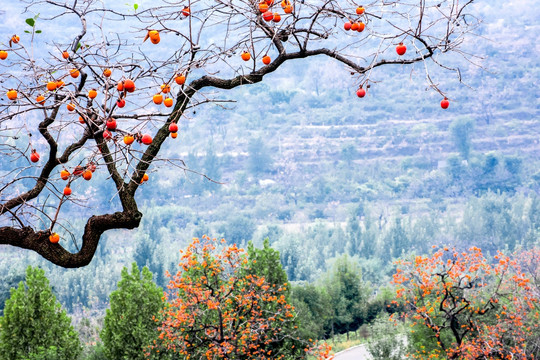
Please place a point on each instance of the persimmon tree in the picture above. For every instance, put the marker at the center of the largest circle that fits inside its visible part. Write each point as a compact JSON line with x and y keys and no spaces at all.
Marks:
{"x":107,"y":98}
{"x":220,"y":308}
{"x":468,"y":306}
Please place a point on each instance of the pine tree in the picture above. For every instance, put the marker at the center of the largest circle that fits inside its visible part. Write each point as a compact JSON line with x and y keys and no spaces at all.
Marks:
{"x":34,"y":325}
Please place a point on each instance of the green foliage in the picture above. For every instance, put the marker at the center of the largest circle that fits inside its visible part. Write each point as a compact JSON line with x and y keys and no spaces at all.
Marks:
{"x":239,"y":230}
{"x":348,"y":295}
{"x":387,"y":342}
{"x":259,"y":159}
{"x":8,"y":282}
{"x":34,"y":324}
{"x":129,"y":323}
{"x":461,"y":130}
{"x":314,"y":310}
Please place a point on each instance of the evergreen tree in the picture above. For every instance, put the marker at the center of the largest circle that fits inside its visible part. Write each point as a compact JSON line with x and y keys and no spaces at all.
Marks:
{"x":129,"y":324}
{"x":34,"y":325}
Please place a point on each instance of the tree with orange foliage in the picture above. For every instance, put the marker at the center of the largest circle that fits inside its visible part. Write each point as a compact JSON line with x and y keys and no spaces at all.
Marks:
{"x":468,"y":307}
{"x":220,"y":309}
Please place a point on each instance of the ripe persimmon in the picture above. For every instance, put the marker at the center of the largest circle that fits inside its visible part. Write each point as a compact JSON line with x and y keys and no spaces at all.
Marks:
{"x":65,"y":55}
{"x":401,"y":49}
{"x":81,"y":120}
{"x":129,"y":85}
{"x":107,"y":135}
{"x":64,"y":174}
{"x":54,"y":238}
{"x":59,"y":84}
{"x":361,"y":26}
{"x":146,"y":139}
{"x":51,"y":85}
{"x":128,"y":139}
{"x":266,"y":60}
{"x":268,"y":16}
{"x":361,"y":92}
{"x":180,"y":79}
{"x":34,"y":156}
{"x":186,"y":11}
{"x":15,"y":39}
{"x":263,"y":7}
{"x":111,"y":124}
{"x":154,"y":36}
{"x":277,"y":18}
{"x":355,"y":26}
{"x":120,"y":103}
{"x":145,"y":177}
{"x":3,"y":55}
{"x":173,"y":127}
{"x":445,"y":103}
{"x":174,"y":135}
{"x":246,"y":56}
{"x":107,"y":72}
{"x":74,"y":73}
{"x":158,"y":99}
{"x":12,"y":94}
{"x":347,"y":26}
{"x":67,"y":191}
{"x":360,"y":10}
{"x":40,"y":99}
{"x":70,"y":107}
{"x":87,"y":175}
{"x":92,"y":94}
{"x":168,"y":102}
{"x":165,"y":88}
{"x":288,"y":9}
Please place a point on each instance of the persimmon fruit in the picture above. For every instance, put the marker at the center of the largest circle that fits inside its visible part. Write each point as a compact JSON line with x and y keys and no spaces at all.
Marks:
{"x":67,"y":191}
{"x":266,"y":60}
{"x":120,"y":103}
{"x":64,"y":174}
{"x":3,"y":55}
{"x":180,"y":79}
{"x":65,"y":55}
{"x":12,"y":94}
{"x":168,"y":102}
{"x":40,"y":99}
{"x":146,"y":139}
{"x":92,"y":94}
{"x":107,"y":72}
{"x":445,"y":103}
{"x":111,"y":124}
{"x":34,"y":156}
{"x":361,"y":92}
{"x":51,"y":85}
{"x":70,"y":107}
{"x":128,"y":139}
{"x":158,"y":99}
{"x":165,"y":88}
{"x":347,"y":26}
{"x":74,"y":73}
{"x":173,"y":127}
{"x":246,"y":56}
{"x":54,"y":238}
{"x":87,"y":175}
{"x":360,"y":10}
{"x":401,"y":49}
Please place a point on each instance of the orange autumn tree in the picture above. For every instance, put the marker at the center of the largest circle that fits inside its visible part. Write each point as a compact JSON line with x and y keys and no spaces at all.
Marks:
{"x":93,"y":90}
{"x":219,"y":309}
{"x":468,"y":307}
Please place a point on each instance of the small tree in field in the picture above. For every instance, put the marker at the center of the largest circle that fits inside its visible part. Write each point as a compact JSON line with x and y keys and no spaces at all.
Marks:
{"x":221,"y":309}
{"x":129,"y":324}
{"x":467,"y":307}
{"x":34,"y":325}
{"x":107,"y":98}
